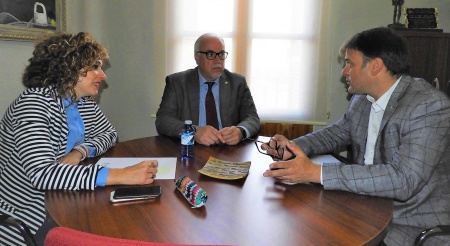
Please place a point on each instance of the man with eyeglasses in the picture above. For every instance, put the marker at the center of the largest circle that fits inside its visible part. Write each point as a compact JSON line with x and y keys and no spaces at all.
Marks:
{"x":398,"y":130}
{"x":186,"y":98}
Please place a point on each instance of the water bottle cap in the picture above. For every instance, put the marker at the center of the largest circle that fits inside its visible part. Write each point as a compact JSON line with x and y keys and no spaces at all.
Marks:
{"x":188,"y":122}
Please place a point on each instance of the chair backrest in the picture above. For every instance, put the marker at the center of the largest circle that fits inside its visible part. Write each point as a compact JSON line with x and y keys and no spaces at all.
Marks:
{"x":69,"y":237}
{"x":8,"y":221}
{"x":440,"y":230}
{"x":288,"y":130}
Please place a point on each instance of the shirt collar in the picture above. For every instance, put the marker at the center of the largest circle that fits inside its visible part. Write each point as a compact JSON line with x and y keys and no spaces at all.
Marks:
{"x":382,"y":102}
{"x":67,"y":102}
{"x":203,"y":80}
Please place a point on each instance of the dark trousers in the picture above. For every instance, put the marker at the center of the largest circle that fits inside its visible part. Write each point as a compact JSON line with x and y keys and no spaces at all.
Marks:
{"x":381,"y":244}
{"x":44,"y":229}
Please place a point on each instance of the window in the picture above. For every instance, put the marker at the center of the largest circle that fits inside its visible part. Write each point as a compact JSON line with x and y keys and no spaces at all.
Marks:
{"x":274,"y":44}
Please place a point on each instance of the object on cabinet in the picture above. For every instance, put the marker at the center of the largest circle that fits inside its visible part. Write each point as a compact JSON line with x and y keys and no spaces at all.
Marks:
{"x":436,"y":83}
{"x":421,"y":18}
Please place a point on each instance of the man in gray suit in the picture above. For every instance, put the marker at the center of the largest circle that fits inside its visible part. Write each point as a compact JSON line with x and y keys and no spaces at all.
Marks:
{"x":398,"y":130}
{"x":184,"y":98}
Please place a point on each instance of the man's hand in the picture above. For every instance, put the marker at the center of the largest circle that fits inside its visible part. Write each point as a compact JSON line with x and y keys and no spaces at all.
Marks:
{"x":298,"y":170}
{"x":232,"y":135}
{"x":208,"y":135}
{"x":277,"y":140}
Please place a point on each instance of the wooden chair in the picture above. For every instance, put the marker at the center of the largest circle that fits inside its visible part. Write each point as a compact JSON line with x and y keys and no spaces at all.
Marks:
{"x":289,"y":130}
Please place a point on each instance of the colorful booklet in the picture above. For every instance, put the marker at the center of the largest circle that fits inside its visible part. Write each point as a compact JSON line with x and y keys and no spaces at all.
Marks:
{"x":221,"y":169}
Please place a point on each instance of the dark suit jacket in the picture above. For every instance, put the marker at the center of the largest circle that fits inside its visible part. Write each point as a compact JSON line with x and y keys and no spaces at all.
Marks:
{"x":411,"y":162}
{"x":181,"y":97}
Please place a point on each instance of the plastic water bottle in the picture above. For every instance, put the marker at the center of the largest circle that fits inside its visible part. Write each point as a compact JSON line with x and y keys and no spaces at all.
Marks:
{"x":187,"y":140}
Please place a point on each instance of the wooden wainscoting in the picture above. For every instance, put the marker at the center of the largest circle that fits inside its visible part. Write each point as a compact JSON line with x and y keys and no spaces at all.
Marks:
{"x":290,"y":131}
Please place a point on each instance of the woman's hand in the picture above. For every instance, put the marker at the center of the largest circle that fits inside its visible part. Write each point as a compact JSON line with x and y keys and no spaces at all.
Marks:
{"x":138,"y":174}
{"x":73,"y":158}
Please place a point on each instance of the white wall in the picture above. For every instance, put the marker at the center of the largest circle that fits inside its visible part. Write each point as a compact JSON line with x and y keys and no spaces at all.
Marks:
{"x":13,"y":59}
{"x":348,"y":17}
{"x":134,"y":34}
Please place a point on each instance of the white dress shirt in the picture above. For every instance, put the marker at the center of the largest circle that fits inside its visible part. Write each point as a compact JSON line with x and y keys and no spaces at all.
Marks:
{"x":376,"y":115}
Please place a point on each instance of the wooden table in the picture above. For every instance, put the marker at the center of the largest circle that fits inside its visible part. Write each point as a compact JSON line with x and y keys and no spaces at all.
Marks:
{"x":252,"y":211}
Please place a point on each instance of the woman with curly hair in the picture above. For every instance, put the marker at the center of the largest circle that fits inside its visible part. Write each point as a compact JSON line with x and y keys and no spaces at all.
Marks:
{"x":52,"y":126}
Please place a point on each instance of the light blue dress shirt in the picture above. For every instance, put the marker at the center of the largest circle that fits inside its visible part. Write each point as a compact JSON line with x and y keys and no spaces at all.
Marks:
{"x":203,"y":91}
{"x":202,"y":109}
{"x":76,"y":136}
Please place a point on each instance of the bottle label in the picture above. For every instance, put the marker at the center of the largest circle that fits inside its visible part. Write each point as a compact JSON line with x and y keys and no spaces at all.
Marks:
{"x":187,"y":139}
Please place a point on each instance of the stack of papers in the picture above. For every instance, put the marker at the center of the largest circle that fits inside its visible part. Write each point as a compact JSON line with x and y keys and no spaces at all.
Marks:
{"x":221,"y":169}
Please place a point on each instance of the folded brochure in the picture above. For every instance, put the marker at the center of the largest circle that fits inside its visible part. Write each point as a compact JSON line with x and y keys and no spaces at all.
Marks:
{"x":221,"y":169}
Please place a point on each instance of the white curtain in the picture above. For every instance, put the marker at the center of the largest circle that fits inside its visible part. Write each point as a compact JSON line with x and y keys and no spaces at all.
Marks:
{"x":274,"y":44}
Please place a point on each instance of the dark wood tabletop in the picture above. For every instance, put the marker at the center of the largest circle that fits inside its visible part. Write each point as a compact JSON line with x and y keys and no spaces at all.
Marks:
{"x":251,"y":211}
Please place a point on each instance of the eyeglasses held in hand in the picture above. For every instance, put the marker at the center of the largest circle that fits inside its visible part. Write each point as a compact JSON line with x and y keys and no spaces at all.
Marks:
{"x":270,"y":145}
{"x":210,"y":55}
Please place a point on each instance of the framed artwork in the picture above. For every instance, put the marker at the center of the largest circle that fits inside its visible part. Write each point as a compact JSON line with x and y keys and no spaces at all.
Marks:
{"x":25,"y":20}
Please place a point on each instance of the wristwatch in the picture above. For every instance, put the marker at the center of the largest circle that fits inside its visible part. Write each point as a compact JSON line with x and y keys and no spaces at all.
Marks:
{"x":244,"y":134}
{"x":195,"y":128}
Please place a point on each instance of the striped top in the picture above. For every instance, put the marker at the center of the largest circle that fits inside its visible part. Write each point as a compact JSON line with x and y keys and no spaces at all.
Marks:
{"x":33,"y":137}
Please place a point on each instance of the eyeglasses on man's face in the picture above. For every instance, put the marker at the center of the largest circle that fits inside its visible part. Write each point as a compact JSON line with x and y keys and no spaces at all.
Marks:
{"x":270,"y":145}
{"x":211,"y":55}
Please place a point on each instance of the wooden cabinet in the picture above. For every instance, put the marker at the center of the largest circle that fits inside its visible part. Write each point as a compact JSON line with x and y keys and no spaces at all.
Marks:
{"x":430,"y":55}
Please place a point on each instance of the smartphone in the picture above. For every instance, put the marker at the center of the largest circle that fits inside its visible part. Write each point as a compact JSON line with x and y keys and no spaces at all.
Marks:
{"x":135,"y":193}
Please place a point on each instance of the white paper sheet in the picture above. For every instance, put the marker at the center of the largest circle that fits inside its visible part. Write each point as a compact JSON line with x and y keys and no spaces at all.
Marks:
{"x":324,"y":159}
{"x":166,"y":165}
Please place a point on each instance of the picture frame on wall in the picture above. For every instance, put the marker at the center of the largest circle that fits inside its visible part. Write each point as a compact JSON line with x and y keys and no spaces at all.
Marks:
{"x":25,"y":20}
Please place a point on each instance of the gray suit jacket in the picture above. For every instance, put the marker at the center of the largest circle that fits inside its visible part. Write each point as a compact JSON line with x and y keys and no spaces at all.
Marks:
{"x":411,"y":162}
{"x":181,"y":97}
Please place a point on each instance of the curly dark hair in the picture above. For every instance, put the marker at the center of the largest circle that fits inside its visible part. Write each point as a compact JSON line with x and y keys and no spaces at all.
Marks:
{"x":60,"y":59}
